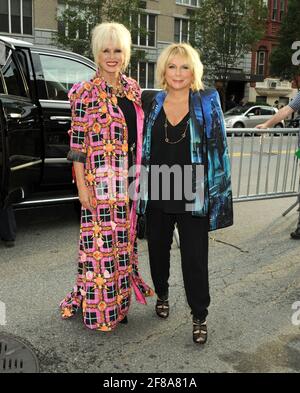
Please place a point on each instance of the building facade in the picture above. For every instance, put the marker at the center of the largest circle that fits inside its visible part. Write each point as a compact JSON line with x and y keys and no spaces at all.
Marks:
{"x":270,"y":89}
{"x":164,"y":21}
{"x":30,"y":20}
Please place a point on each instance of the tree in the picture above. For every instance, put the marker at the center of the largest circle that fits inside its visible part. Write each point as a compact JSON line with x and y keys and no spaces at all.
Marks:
{"x":77,"y":19}
{"x":281,"y":64}
{"x":224,"y":31}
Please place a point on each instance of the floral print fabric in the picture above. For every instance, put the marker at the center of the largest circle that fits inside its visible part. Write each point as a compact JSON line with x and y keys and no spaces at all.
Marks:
{"x":108,"y":263}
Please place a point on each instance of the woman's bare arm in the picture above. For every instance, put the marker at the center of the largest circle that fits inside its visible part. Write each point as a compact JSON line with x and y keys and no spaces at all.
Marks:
{"x":280,"y":115}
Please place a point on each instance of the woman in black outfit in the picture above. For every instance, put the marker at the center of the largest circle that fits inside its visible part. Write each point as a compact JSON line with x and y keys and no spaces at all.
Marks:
{"x":198,"y":195}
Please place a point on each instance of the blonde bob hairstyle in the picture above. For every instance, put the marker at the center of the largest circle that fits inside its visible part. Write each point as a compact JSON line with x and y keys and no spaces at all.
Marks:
{"x":193,"y":60}
{"x":114,"y":33}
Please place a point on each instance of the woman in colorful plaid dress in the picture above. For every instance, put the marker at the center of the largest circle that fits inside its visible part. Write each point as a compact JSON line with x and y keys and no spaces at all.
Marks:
{"x":106,"y":140}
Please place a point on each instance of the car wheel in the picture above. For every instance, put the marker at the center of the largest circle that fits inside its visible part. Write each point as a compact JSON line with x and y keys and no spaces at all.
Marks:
{"x":278,"y":125}
{"x":238,"y":125}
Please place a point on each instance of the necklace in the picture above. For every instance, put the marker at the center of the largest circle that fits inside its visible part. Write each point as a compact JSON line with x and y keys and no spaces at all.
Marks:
{"x":183,"y":135}
{"x":118,"y":90}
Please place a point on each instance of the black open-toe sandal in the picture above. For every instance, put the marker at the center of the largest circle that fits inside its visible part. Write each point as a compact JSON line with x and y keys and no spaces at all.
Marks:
{"x":199,"y":331}
{"x":162,"y":308}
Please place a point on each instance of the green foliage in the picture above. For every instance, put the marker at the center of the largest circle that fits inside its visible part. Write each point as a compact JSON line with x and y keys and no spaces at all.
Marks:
{"x":281,"y":64}
{"x":78,"y":19}
{"x":224,"y":32}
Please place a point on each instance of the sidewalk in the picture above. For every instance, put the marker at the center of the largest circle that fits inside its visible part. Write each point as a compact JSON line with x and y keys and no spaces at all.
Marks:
{"x":254,"y":280}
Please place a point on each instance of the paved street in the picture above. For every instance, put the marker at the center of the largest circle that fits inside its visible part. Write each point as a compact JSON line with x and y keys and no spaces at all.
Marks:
{"x":254,"y":279}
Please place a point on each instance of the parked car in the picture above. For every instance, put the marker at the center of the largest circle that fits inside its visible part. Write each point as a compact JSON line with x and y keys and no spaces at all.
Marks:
{"x":34,"y":119}
{"x":249,"y":116}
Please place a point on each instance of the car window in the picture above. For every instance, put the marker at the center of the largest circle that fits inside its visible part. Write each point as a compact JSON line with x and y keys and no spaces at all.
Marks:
{"x":12,"y":77}
{"x":267,"y":111}
{"x":2,"y":91}
{"x":61,"y":73}
{"x":238,"y":110}
{"x":255,"y":111}
{"x":22,"y":59}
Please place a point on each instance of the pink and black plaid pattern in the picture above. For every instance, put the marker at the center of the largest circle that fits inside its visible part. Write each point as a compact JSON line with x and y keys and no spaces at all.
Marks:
{"x":107,"y":263}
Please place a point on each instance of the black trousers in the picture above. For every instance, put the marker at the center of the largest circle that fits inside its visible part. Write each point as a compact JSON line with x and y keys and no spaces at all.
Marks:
{"x":193,"y":234}
{"x":8,"y":225}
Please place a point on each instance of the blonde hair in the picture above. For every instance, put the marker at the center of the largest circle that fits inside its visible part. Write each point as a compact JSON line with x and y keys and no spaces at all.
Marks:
{"x":117,"y":33}
{"x":193,"y":60}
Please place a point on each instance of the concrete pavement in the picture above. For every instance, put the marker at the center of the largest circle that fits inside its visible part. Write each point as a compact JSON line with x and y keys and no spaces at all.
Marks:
{"x":254,"y":281}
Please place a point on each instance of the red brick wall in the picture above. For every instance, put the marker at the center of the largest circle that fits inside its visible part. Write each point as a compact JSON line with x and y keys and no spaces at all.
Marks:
{"x":270,"y":39}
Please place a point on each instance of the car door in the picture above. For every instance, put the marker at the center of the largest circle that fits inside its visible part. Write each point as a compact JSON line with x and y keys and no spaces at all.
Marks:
{"x":253,"y":117}
{"x":59,"y":72}
{"x":3,"y":188}
{"x":266,"y":113}
{"x":22,"y":136}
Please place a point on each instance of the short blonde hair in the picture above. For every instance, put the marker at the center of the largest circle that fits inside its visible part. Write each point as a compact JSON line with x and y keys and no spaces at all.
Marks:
{"x":117,"y":33}
{"x":193,"y":60}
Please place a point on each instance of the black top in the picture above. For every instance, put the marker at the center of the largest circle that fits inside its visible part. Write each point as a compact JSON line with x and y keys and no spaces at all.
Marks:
{"x":168,"y":154}
{"x":128,"y":110}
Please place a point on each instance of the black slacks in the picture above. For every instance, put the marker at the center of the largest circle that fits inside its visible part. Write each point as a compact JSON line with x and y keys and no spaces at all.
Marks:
{"x":8,"y":225}
{"x":193,"y":234}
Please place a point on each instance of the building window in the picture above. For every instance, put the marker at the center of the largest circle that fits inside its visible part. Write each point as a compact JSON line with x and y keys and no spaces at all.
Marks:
{"x":191,"y":3}
{"x":261,"y":100}
{"x":282,"y":9}
{"x":16,"y":16}
{"x":4,"y":19}
{"x":80,"y":30}
{"x":181,"y":30}
{"x":143,"y":72}
{"x":145,"y":32}
{"x":232,"y":39}
{"x":261,"y":61}
{"x":275,"y":9}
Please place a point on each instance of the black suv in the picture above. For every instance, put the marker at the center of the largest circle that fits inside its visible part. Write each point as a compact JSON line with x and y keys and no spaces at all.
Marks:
{"x":34,"y":119}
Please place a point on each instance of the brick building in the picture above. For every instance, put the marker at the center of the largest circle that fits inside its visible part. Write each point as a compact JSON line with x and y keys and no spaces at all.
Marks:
{"x":270,"y":89}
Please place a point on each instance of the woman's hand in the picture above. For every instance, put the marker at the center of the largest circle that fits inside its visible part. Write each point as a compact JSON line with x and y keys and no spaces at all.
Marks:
{"x":85,"y":197}
{"x":263,"y":125}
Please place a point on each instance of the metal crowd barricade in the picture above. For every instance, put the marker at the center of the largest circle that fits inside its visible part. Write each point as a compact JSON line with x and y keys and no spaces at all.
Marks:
{"x":263,"y":163}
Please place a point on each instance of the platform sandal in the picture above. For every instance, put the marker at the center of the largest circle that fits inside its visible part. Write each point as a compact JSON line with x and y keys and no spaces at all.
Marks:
{"x":199,"y":331}
{"x":162,"y":308}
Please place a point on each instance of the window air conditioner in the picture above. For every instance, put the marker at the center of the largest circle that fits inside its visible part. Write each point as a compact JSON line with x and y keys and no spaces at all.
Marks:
{"x":272,"y":84}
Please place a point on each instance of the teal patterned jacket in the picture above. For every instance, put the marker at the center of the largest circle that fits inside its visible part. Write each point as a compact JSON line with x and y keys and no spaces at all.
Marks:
{"x":208,"y":148}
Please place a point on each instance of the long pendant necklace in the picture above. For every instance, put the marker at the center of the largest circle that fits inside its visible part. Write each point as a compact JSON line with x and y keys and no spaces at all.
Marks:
{"x":183,"y":135}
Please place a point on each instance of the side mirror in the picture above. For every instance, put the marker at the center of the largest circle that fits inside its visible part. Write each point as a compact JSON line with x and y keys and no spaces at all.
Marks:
{"x":250,"y":114}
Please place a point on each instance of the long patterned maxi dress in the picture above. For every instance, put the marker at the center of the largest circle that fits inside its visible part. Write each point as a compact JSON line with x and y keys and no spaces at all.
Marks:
{"x":108,"y":263}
